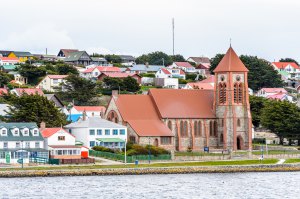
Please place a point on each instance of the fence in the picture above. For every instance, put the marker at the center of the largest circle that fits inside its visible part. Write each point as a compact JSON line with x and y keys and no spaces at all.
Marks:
{"x":72,"y":161}
{"x":130,"y":159}
{"x":38,"y":160}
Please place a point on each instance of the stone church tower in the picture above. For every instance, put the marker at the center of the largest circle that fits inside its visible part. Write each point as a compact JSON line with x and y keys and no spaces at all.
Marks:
{"x":231,"y":103}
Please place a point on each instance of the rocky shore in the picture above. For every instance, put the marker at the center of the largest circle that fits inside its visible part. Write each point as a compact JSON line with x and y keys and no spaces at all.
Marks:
{"x":144,"y":171}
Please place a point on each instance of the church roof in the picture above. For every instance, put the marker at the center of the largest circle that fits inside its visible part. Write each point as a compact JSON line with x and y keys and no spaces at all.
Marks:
{"x":231,"y":63}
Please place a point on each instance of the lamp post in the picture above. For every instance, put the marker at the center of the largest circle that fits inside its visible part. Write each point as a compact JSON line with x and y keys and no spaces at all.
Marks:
{"x":149,"y":152}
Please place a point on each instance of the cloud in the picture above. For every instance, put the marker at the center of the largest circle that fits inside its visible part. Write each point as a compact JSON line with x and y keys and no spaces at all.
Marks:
{"x":37,"y":38}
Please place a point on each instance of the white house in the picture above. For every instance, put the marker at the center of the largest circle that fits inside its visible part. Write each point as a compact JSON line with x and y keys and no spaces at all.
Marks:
{"x":166,"y":82}
{"x":170,"y":73}
{"x":274,"y":93}
{"x":19,"y":140}
{"x":60,"y":143}
{"x":95,"y":131}
{"x":290,"y":67}
{"x":51,"y":82}
{"x":91,"y":111}
{"x":18,"y":78}
{"x":8,"y":61}
{"x":94,"y":72}
{"x":185,"y":66}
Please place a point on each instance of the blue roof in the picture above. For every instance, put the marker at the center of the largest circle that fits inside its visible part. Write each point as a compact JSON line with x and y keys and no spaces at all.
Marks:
{"x":74,"y":117}
{"x":142,"y":67}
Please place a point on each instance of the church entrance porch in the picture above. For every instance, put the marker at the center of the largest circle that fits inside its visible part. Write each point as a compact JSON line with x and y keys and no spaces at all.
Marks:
{"x":239,"y":143}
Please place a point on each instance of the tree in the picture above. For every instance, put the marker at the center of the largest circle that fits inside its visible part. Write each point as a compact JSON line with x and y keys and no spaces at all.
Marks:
{"x":33,"y":73}
{"x":256,"y":106}
{"x":155,"y":58}
{"x":34,"y":108}
{"x":113,"y":58}
{"x":288,"y":60}
{"x":282,"y":118}
{"x":177,"y":58}
{"x":81,"y":90}
{"x":130,"y":84}
{"x":112,"y":83}
{"x":65,"y":69}
{"x":4,"y":78}
{"x":261,"y":73}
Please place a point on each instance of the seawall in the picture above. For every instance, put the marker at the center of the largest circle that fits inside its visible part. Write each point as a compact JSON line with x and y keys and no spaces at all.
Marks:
{"x":144,"y":171}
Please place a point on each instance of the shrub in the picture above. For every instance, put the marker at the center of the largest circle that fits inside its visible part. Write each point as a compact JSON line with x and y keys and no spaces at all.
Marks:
{"x":140,"y":150}
{"x":103,"y":149}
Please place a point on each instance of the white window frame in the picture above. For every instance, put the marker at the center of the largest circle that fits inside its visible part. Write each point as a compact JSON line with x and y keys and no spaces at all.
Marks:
{"x":3,"y":132}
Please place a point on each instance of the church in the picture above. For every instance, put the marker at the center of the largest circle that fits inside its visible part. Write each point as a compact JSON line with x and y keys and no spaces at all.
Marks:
{"x":181,"y":120}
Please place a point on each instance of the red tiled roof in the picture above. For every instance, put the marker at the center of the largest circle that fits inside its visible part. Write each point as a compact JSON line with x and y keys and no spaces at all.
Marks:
{"x":276,"y":96}
{"x":48,"y":132}
{"x":90,"y":108}
{"x":165,"y":71}
{"x":231,"y":63}
{"x":210,"y":79}
{"x":274,"y":90}
{"x":282,"y":65}
{"x":140,"y":112}
{"x":103,"y":69}
{"x":182,"y":72}
{"x":29,"y":91}
{"x":184,"y":64}
{"x":57,"y":76}
{"x":205,"y":66}
{"x":201,"y":86}
{"x":174,"y":103}
{"x":3,"y":91}
{"x":9,"y":59}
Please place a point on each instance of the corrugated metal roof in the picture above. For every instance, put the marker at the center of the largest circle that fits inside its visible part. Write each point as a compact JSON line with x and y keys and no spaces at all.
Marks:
{"x":94,"y":122}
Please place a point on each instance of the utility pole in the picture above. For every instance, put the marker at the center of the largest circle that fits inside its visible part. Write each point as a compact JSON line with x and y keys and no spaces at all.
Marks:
{"x":173,"y":30}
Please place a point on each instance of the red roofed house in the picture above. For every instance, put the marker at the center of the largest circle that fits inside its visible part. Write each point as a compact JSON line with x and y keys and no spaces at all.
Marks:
{"x":66,"y":52}
{"x":170,"y":73}
{"x":274,"y":93}
{"x":28,"y":91}
{"x":185,"y":66}
{"x":91,"y":111}
{"x":203,"y":69}
{"x":9,"y":61}
{"x":135,"y":76}
{"x":51,"y":82}
{"x":60,"y":143}
{"x":290,"y":67}
{"x":182,"y":119}
{"x":3,"y":91}
{"x":206,"y":84}
{"x":96,"y":71}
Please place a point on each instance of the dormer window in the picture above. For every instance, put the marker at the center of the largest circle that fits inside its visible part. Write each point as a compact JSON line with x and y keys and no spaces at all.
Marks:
{"x":35,"y":132}
{"x":25,"y":132}
{"x":4,"y":132}
{"x":16,"y":132}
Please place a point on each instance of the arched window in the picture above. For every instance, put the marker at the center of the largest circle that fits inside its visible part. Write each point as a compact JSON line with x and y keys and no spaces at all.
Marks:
{"x":238,"y":122}
{"x":182,"y":129}
{"x":221,"y":138}
{"x":170,"y":125}
{"x":222,"y":93}
{"x":238,"y":93}
{"x":235,"y":92}
{"x":197,"y":129}
{"x":112,"y":116}
{"x":215,"y":128}
{"x":211,"y":128}
{"x":185,"y":129}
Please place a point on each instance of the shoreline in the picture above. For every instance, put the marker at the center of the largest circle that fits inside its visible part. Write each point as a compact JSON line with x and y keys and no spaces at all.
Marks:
{"x":147,"y":171}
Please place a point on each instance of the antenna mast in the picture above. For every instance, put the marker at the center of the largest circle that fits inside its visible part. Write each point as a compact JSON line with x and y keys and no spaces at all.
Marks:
{"x":173,"y":27}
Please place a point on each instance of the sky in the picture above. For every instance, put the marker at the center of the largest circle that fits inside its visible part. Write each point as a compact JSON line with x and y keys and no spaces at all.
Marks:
{"x":266,"y":28}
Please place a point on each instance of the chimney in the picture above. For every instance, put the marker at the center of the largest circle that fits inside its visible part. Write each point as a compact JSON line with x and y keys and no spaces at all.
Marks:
{"x":114,"y":93}
{"x":84,"y":115}
{"x":42,"y":126}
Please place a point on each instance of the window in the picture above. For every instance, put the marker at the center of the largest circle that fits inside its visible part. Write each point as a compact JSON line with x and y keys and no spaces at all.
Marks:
{"x":238,"y":122}
{"x":92,"y":132}
{"x":122,"y":132}
{"x":5,"y":145}
{"x":115,"y":132}
{"x":25,"y":132}
{"x":238,"y":93}
{"x":27,"y":144}
{"x":221,"y":138}
{"x":16,"y":132}
{"x":92,"y":143}
{"x":170,"y":125}
{"x":35,"y":132}
{"x":61,"y":138}
{"x":222,"y":93}
{"x":99,"y":131}
{"x":165,"y":140}
{"x":107,"y":131}
{"x":55,"y":81}
{"x":183,"y":129}
{"x":37,"y":145}
{"x":18,"y":145}
{"x":213,"y":128}
{"x":59,"y":152}
{"x":70,"y":131}
{"x":4,"y":132}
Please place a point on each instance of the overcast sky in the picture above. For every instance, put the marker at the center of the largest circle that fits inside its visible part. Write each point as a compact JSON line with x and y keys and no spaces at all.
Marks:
{"x":267,"y":28}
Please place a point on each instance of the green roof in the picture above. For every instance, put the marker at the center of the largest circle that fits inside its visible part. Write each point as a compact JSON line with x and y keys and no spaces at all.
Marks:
{"x":75,"y":56}
{"x":110,"y":140}
{"x":8,"y":67}
{"x":22,"y":54}
{"x":20,"y":137}
{"x":25,"y":149}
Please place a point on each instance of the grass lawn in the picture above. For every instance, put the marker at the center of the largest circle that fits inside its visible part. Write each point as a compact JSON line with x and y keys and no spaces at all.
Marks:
{"x":197,"y":154}
{"x":146,"y":88}
{"x":171,"y":164}
{"x":292,"y":161}
{"x":275,"y":152}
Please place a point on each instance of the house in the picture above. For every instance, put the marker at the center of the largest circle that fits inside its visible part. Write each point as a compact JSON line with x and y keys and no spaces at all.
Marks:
{"x":170,"y":73}
{"x":185,"y":66}
{"x":19,"y":140}
{"x":127,"y":60}
{"x":45,"y":57}
{"x":4,"y":108}
{"x":8,"y":61}
{"x":18,"y":78}
{"x":166,"y":82}
{"x":274,"y":93}
{"x":95,"y":131}
{"x":4,"y":53}
{"x":290,"y":67}
{"x":199,"y":85}
{"x":22,"y":56}
{"x":60,"y":143}
{"x":28,"y":91}
{"x":52,"y":97}
{"x":137,"y":77}
{"x":99,"y":61}
{"x":94,"y":72}
{"x":52,"y":83}
{"x":199,"y":60}
{"x":181,"y":119}
{"x":78,"y":58}
{"x":91,"y":111}
{"x":3,"y":91}
{"x":203,"y":69}
{"x":8,"y":68}
{"x":65,"y":52}
{"x":141,"y":68}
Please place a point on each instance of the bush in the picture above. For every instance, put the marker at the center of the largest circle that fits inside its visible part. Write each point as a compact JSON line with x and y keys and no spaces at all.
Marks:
{"x":135,"y":149}
{"x":103,"y":149}
{"x":259,"y":141}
